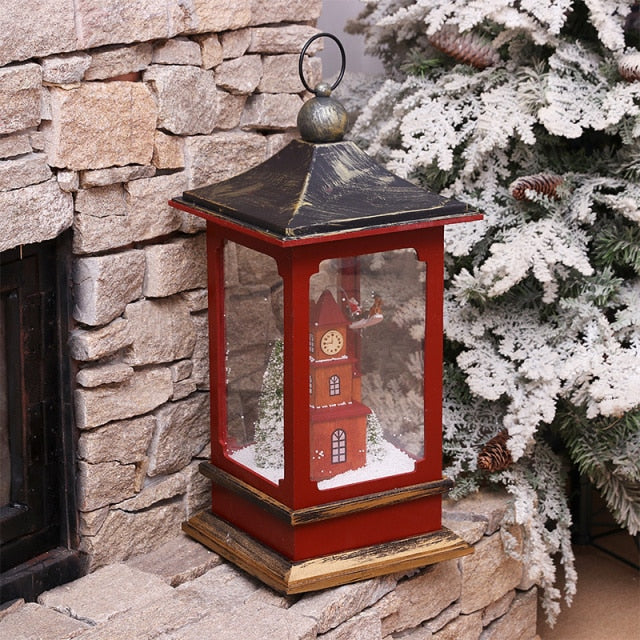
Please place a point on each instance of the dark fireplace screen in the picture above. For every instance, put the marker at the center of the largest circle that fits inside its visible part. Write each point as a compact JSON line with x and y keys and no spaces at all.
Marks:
{"x":36,"y":487}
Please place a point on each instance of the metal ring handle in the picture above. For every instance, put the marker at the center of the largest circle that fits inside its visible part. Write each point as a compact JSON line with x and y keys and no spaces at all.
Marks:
{"x":304,"y":50}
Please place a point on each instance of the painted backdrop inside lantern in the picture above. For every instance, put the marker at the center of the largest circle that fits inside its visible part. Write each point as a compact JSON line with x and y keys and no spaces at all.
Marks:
{"x":366,"y":406}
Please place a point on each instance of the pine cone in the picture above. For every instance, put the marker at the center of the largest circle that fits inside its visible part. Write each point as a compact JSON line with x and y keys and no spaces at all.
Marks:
{"x":465,"y":47}
{"x":495,"y":455}
{"x":540,"y":182}
{"x":629,"y":67}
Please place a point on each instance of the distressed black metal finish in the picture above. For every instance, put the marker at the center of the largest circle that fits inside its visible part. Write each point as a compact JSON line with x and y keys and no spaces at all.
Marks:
{"x":312,"y":189}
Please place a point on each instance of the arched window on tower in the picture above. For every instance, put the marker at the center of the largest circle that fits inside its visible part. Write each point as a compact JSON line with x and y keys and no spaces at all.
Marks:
{"x":334,"y":385}
{"x":338,"y":446}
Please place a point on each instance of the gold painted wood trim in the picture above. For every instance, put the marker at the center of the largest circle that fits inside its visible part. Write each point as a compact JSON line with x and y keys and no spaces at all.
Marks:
{"x":332,"y":570}
{"x":331,"y":509}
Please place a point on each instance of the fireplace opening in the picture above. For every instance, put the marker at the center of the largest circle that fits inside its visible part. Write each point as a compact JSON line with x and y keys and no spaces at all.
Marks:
{"x":37,"y":506}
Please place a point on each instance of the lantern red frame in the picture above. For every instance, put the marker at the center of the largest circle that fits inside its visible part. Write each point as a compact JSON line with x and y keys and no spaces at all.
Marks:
{"x":295,"y":518}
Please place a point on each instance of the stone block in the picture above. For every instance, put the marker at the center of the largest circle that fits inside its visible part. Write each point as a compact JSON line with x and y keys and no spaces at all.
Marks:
{"x":114,"y":175}
{"x":498,"y":608}
{"x":65,"y":69}
{"x":124,"y":441}
{"x":182,"y":432}
{"x":271,"y":11}
{"x":90,"y":522}
{"x":179,"y":560}
{"x":211,"y":51}
{"x":126,"y":534}
{"x":86,"y":345}
{"x":333,"y":607}
{"x":117,"y":61}
{"x":143,"y":392}
{"x":223,"y":585}
{"x":123,"y":21}
{"x":104,"y":483}
{"x":28,"y":31}
{"x":168,"y":151}
{"x":487,"y":574}
{"x":252,"y":621}
{"x":271,"y":111}
{"x":68,"y":181}
{"x":176,"y":266}
{"x":470,"y":531}
{"x":198,"y":487}
{"x":468,"y":627}
{"x":187,"y":98}
{"x":34,"y":214}
{"x":183,"y":389}
{"x":23,"y":171}
{"x":197,"y":300}
{"x":178,"y":51}
{"x":161,"y":618}
{"x":15,"y":145}
{"x":222,"y":155}
{"x":484,"y":506}
{"x":33,"y":621}
{"x":156,"y":490}
{"x":104,"y":285}
{"x":220,"y":15}
{"x":280,"y":74}
{"x":161,"y":331}
{"x":21,"y":89}
{"x":235,"y":43}
{"x":424,"y":596}
{"x":289,"y":38}
{"x":92,"y":125}
{"x":239,"y":76}
{"x":443,"y":618}
{"x":149,"y":214}
{"x":99,"y":596}
{"x":200,"y":355}
{"x":181,"y":370}
{"x":519,"y":623}
{"x":365,"y":626}
{"x":101,"y":221}
{"x":103,"y":374}
{"x":230,"y":108}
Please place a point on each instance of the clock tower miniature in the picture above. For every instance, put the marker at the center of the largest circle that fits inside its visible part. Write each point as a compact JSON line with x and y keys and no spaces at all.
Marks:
{"x":338,"y":419}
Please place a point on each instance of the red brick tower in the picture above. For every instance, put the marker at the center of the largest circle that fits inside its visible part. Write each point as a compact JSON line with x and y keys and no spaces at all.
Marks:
{"x":338,"y":418}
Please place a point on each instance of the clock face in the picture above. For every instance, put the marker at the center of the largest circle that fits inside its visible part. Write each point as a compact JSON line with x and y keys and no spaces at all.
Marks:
{"x":331,"y":342}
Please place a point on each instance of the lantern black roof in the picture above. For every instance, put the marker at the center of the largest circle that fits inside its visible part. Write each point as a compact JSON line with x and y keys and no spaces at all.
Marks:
{"x":313,"y":189}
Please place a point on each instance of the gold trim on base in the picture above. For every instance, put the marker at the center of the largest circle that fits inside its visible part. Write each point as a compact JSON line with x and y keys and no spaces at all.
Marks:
{"x":290,"y":577}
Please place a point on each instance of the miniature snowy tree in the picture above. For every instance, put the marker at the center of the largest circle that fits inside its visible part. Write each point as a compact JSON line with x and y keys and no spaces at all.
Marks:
{"x":375,"y":438}
{"x":269,"y":428}
{"x":529,"y":111}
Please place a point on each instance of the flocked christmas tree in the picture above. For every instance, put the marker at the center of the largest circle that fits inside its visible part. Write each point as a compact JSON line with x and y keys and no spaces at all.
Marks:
{"x":528,"y":111}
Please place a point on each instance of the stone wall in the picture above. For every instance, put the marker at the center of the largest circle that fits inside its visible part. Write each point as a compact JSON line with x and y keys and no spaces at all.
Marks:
{"x":109,"y":109}
{"x":184,"y":591}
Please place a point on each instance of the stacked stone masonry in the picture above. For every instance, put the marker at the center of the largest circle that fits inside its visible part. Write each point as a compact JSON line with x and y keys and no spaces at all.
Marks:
{"x":109,"y":109}
{"x":182,"y":591}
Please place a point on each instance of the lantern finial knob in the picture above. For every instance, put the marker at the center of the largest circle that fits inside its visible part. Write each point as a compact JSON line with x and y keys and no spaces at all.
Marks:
{"x":323,"y":118}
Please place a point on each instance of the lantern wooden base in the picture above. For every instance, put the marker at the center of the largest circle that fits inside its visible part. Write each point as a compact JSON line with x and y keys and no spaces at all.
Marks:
{"x":290,"y":577}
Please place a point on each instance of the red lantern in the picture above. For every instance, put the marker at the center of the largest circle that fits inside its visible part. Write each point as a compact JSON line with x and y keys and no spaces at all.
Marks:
{"x":325,"y":321}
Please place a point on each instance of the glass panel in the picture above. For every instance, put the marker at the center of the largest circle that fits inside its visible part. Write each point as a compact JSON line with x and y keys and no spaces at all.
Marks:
{"x":5,"y":452}
{"x":254,"y":362}
{"x":366,"y":367}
